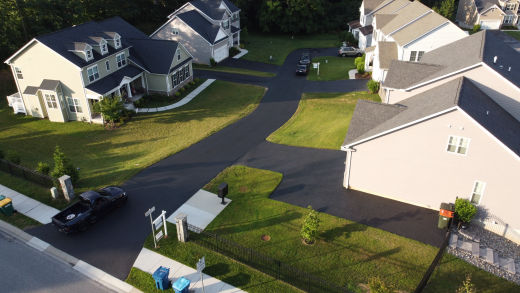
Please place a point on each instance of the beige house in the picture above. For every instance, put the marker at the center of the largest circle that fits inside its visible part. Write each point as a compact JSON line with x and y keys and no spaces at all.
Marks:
{"x":61,"y":75}
{"x":484,"y":57}
{"x":450,"y":141}
{"x":489,"y":14}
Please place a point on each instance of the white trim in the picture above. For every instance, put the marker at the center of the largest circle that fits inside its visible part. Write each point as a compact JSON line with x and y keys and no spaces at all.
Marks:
{"x":175,"y":12}
{"x":169,"y":20}
{"x":88,"y":76}
{"x":107,"y":68}
{"x":491,"y":7}
{"x":86,"y":96}
{"x":344,"y":147}
{"x":186,"y":51}
{"x":375,"y":10}
{"x":20,"y":50}
{"x":490,"y":134}
{"x":442,"y":77}
{"x":427,"y":33}
{"x":30,"y":42}
{"x":346,"y":180}
{"x":408,"y":23}
{"x":457,"y":145}
{"x":125,"y":60}
{"x":103,"y":42}
{"x":117,"y":37}
{"x":473,"y":191}
{"x":135,"y":64}
{"x":20,"y":93}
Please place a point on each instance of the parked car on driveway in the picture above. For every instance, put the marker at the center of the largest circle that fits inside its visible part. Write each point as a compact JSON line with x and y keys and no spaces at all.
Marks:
{"x":305,"y":59}
{"x":349,"y":51}
{"x":302,"y":69}
{"x":92,"y":206}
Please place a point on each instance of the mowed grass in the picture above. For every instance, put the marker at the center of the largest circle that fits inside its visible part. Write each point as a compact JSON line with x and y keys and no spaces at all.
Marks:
{"x":217,"y":266}
{"x":346,"y":253}
{"x":321,"y":120}
{"x":19,"y":220}
{"x":331,"y":68}
{"x":233,"y":70}
{"x":108,"y":157}
{"x":261,"y":46}
{"x":514,"y":34}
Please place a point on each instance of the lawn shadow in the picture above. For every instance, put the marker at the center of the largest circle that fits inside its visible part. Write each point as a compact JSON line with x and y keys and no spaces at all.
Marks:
{"x":259,"y":224}
{"x":238,"y":280}
{"x":342,"y":231}
{"x":216,"y":270}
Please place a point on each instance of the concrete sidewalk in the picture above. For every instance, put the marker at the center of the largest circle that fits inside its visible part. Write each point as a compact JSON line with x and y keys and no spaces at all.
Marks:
{"x":201,"y":209}
{"x":180,"y":103}
{"x":29,"y":207}
{"x":149,"y":261}
{"x":242,"y":53}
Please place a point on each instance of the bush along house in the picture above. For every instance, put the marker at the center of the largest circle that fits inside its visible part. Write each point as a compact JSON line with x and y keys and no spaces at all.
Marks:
{"x":61,"y":75}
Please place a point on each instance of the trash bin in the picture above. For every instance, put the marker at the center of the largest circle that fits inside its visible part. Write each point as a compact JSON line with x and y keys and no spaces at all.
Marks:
{"x":161,"y":278}
{"x":445,"y":215}
{"x":6,"y":205}
{"x":181,"y":285}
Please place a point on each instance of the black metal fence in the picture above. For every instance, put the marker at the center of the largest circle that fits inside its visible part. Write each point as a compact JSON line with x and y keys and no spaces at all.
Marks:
{"x":266,"y":264}
{"x":26,"y":173}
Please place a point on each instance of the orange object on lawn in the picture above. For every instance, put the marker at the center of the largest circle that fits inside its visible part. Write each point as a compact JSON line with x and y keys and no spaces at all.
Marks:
{"x":446,"y":213}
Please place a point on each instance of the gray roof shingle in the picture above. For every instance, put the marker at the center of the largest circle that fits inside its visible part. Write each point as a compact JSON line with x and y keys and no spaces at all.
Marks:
{"x":49,"y":85}
{"x":113,"y":80}
{"x":366,"y":30}
{"x":210,"y":8}
{"x":201,"y":25}
{"x":31,"y":90}
{"x":153,"y":55}
{"x":460,"y":92}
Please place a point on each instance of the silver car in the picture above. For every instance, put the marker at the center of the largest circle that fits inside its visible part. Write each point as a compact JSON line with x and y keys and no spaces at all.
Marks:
{"x":349,"y":51}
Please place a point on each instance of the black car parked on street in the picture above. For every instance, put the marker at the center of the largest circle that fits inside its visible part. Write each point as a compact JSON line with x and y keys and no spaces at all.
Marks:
{"x":305,"y":59}
{"x":302,"y":69}
{"x":92,"y":206}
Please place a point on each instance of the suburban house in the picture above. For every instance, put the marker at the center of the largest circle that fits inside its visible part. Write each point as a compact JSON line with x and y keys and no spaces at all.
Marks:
{"x":484,"y":57}
{"x":207,"y":28}
{"x":450,"y":141}
{"x":489,"y":14}
{"x":406,"y":33}
{"x":61,"y":75}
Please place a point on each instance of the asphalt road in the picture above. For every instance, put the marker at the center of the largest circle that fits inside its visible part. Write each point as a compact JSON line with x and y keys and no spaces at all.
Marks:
{"x":25,"y":269}
{"x":310,"y":177}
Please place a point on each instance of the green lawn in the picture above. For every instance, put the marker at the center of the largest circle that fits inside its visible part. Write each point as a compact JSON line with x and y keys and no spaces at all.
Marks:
{"x":19,"y":220}
{"x":112,"y":156}
{"x":157,"y":100}
{"x":261,"y":46}
{"x":331,"y":68}
{"x":346,"y":253}
{"x":33,"y":190}
{"x":234,"y":70}
{"x":515,"y":34}
{"x":217,"y":265}
{"x":321,"y":120}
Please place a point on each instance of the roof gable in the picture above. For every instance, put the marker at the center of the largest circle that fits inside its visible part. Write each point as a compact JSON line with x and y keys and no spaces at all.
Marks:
{"x":419,"y":28}
{"x":153,"y":55}
{"x":201,"y":25}
{"x":405,"y":17}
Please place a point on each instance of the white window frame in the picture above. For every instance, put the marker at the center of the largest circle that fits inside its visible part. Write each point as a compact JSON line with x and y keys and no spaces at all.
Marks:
{"x":103,"y":47}
{"x":121,"y":62}
{"x":457,"y":144}
{"x":178,"y":55}
{"x":176,"y":31}
{"x":74,"y":105}
{"x":413,"y":55}
{"x":89,"y":55}
{"x":18,"y":72}
{"x":107,"y":65}
{"x":93,"y":73}
{"x":420,"y":54}
{"x":117,"y":42}
{"x":510,"y":6}
{"x":473,"y":192}
{"x":187,"y":71}
{"x":51,"y":101}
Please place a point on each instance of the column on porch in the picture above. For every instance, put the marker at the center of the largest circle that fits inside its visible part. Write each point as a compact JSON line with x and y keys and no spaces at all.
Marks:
{"x":128,"y":90}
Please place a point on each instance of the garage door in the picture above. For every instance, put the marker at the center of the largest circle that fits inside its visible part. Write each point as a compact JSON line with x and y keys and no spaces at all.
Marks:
{"x":221,"y":53}
{"x":490,"y":24}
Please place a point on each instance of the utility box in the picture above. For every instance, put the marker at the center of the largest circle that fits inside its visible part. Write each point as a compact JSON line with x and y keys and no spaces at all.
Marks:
{"x":6,"y":205}
{"x":446,"y":214}
{"x":182,"y":285}
{"x":161,"y":278}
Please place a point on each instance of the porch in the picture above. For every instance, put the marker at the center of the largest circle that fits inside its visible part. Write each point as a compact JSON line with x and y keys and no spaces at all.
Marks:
{"x":15,"y":101}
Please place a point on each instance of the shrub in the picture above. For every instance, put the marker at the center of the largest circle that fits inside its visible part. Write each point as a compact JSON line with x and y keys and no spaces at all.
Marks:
{"x":310,"y":226}
{"x":213,"y":62}
{"x":465,"y":210}
{"x":475,"y":29}
{"x":192,"y":83}
{"x":13,"y":157}
{"x":1,"y":154}
{"x":62,"y":166}
{"x":233,"y":51}
{"x":197,"y":79}
{"x":467,"y":286}
{"x":373,"y":86}
{"x":360,"y":64}
{"x":177,"y":94}
{"x":110,"y":108}
{"x":43,"y":168}
{"x":377,"y":285}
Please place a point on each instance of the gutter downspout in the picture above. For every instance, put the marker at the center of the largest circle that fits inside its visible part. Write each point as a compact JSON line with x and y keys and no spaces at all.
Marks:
{"x":348,"y":163}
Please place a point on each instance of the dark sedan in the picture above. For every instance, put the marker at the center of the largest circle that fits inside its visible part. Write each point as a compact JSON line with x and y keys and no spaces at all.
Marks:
{"x":305,"y":59}
{"x":302,"y":69}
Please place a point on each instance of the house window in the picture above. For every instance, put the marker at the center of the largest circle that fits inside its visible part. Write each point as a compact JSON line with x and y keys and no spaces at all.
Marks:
{"x":74,"y":105}
{"x":175,"y":81}
{"x":18,"y":71}
{"x":107,"y":64}
{"x":510,"y":6}
{"x":51,"y":101}
{"x":508,"y":19}
{"x":93,"y":73}
{"x":478,"y":192}
{"x":458,"y":145}
{"x":225,"y":24}
{"x":178,"y":55}
{"x":419,"y":56}
{"x":413,"y":55}
{"x":176,"y":31}
{"x":104,"y":48}
{"x":121,"y":60}
{"x":187,"y":71}
{"x":117,"y":42}
{"x":89,"y":54}
{"x":235,"y":17}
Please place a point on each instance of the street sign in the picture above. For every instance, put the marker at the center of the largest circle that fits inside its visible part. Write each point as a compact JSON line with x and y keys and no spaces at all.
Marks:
{"x":315,"y":65}
{"x":159,"y":235}
{"x":149,"y":212}
{"x":201,"y":264}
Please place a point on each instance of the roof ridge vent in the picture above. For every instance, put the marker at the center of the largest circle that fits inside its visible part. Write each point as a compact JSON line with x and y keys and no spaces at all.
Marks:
{"x":495,"y":59}
{"x":509,"y":69}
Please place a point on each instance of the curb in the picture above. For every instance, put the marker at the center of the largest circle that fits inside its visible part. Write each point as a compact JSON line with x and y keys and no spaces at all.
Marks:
{"x":82,"y":267}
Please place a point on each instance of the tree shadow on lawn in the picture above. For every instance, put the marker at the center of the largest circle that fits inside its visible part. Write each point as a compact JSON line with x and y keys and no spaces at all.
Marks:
{"x":342,"y":231}
{"x":259,"y":224}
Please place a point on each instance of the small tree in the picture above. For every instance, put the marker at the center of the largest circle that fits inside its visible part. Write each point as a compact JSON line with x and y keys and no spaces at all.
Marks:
{"x":475,"y":29}
{"x":373,"y":86}
{"x":465,"y":210}
{"x":467,"y":286}
{"x":447,"y":9}
{"x":43,"y":168}
{"x":310,"y":226}
{"x":377,"y":285}
{"x":110,"y":108}
{"x":13,"y":157}
{"x":360,"y":64}
{"x":62,"y":166}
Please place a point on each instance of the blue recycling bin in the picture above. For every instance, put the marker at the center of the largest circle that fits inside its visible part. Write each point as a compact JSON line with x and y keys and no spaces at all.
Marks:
{"x":181,"y":285}
{"x":161,"y":278}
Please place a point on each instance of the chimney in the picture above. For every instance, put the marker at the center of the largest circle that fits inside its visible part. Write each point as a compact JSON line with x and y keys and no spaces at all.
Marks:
{"x":495,"y":59}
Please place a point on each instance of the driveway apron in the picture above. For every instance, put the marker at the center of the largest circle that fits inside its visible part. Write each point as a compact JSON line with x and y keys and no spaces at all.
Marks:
{"x":311,"y":176}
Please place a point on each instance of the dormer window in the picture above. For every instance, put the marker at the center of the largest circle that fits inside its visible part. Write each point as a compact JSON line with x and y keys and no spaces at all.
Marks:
{"x":176,"y":31}
{"x":88,"y":54}
{"x":103,"y":46}
{"x":225,"y":24}
{"x":178,"y":55}
{"x":117,"y":42}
